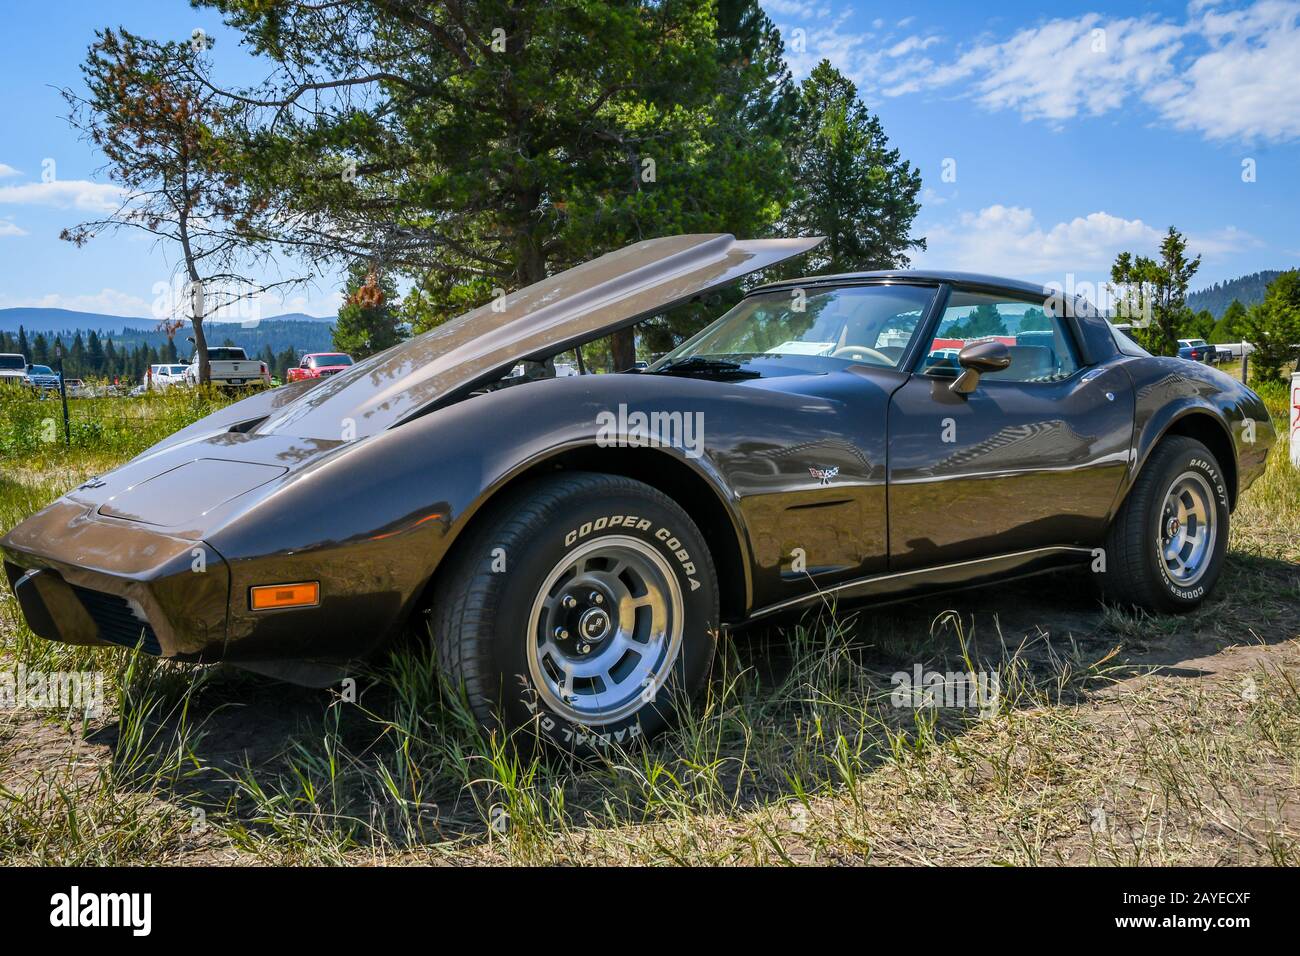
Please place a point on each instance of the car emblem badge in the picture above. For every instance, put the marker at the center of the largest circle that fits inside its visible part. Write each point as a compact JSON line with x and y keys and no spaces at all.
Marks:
{"x":92,"y":483}
{"x":823,"y":475}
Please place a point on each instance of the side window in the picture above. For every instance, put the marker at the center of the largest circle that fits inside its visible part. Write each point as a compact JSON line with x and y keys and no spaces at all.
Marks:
{"x":1040,"y":343}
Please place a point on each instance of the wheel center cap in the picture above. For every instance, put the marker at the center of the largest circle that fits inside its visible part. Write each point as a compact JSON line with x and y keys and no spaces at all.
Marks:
{"x":594,"y":624}
{"x":1171,"y":527}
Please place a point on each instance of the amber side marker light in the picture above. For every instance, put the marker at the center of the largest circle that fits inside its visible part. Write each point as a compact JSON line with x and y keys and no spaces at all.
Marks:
{"x":268,"y":597}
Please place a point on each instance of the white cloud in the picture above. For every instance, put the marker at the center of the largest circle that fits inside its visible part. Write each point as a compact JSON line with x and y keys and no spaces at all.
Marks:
{"x":1008,"y":240}
{"x":10,"y":228}
{"x":856,"y":55}
{"x":827,"y":34}
{"x":6,"y":171}
{"x":910,"y":44}
{"x":1244,"y":85}
{"x":793,"y":8}
{"x":78,"y":194}
{"x":1225,"y":73}
{"x":106,"y":301}
{"x":932,"y":197}
{"x":1057,"y":70}
{"x":1222,"y":242}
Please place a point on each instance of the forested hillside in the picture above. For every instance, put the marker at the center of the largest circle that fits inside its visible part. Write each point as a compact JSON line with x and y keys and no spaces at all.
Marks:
{"x":1248,"y":289}
{"x":92,"y":353}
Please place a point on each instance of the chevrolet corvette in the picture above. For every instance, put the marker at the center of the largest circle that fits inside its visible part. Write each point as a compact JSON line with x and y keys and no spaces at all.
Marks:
{"x":578,"y":544}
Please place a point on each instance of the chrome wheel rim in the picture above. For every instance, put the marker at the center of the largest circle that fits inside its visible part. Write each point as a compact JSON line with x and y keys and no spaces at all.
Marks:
{"x":1187,"y":528}
{"x":605,"y":630}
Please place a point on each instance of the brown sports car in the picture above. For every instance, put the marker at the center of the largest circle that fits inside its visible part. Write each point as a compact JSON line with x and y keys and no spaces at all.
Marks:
{"x":579,"y":543}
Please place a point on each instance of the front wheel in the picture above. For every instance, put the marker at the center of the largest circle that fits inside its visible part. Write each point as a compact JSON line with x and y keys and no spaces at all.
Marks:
{"x":1166,"y":547}
{"x":583,"y":606}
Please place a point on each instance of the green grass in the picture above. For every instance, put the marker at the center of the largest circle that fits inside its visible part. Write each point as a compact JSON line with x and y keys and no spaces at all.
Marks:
{"x":1116,"y":738}
{"x":32,"y":428}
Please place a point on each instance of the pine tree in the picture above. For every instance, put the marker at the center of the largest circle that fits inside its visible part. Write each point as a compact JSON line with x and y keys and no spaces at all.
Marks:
{"x":1153,"y":293}
{"x":95,"y":356}
{"x":984,"y":320}
{"x":1230,"y":328}
{"x":849,"y":185}
{"x":368,"y":321}
{"x":1273,"y":328}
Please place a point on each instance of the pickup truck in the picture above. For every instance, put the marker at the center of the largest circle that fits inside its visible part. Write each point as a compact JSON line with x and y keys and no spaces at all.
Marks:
{"x":165,"y":376}
{"x":42,"y":378}
{"x":230,"y":366}
{"x":13,"y":369}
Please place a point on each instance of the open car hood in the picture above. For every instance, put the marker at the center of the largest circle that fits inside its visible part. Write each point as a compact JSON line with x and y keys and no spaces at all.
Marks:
{"x":575,"y":306}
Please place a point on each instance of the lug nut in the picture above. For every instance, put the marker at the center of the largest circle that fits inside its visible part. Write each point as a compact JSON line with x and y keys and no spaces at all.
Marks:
{"x":597,"y":597}
{"x":561,"y":634}
{"x":569,"y":601}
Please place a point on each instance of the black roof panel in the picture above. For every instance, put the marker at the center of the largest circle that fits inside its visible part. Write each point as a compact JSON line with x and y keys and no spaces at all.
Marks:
{"x":921,"y":275}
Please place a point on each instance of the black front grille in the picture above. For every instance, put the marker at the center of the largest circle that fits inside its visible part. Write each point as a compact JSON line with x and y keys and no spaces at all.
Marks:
{"x":116,"y":623}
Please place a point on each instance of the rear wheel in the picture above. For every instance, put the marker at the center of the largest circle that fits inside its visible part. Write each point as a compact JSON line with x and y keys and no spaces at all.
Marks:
{"x":585,"y":607}
{"x":1166,"y":546}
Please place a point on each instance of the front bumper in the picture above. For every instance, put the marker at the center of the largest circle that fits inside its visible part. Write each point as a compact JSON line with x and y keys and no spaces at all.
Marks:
{"x":82,"y":578}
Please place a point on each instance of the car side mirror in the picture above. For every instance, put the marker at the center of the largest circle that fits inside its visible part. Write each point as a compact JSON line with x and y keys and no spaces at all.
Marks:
{"x":976,"y":360}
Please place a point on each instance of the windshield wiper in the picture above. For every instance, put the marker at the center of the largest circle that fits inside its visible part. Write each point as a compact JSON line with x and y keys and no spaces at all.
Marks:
{"x":699,"y":365}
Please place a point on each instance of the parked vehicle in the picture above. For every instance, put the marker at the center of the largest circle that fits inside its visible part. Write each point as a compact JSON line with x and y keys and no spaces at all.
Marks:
{"x":230,"y":366}
{"x":561,"y":369}
{"x":1236,"y":349}
{"x":13,"y":369}
{"x":42,"y":378}
{"x":75,"y":387}
{"x":320,"y":365}
{"x":579,"y":544}
{"x":1197,"y":350}
{"x":165,"y":376}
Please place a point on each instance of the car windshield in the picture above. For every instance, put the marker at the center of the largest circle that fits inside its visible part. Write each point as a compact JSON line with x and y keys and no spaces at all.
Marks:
{"x":13,"y":362}
{"x":1195,"y":343}
{"x":226,"y":355}
{"x":322,"y":361}
{"x":41,"y":370}
{"x":809,"y":330}
{"x":174,"y":369}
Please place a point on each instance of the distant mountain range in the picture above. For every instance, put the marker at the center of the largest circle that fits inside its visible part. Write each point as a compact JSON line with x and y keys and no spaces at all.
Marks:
{"x":65,"y":320}
{"x":1248,"y":289}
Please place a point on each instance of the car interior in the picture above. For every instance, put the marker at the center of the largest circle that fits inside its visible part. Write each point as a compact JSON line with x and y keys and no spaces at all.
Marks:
{"x":1037,"y":354}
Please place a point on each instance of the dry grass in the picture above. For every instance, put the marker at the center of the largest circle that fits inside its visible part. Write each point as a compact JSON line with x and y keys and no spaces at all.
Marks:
{"x":1116,"y":739}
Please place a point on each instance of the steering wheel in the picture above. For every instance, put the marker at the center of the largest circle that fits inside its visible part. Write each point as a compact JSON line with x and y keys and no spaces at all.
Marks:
{"x":860,"y":352}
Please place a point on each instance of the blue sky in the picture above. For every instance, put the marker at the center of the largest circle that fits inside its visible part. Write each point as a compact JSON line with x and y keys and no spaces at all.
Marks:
{"x":1067,"y":131}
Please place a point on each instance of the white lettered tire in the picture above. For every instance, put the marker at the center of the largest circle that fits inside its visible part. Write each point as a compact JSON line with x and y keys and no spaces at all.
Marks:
{"x":1166,"y":547}
{"x":582,"y":608}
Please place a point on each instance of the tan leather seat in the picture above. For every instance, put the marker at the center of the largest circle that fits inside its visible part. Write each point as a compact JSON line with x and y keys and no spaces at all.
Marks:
{"x":1029,"y":363}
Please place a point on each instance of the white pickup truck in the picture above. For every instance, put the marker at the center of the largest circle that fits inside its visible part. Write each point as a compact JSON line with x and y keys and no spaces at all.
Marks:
{"x":13,"y":369}
{"x":230,"y":366}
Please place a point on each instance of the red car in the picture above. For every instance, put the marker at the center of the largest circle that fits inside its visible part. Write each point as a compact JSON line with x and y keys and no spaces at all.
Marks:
{"x":319,"y":365}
